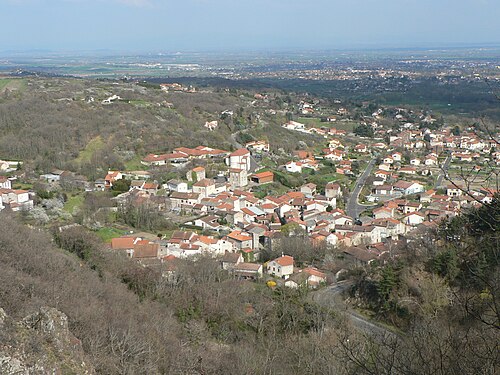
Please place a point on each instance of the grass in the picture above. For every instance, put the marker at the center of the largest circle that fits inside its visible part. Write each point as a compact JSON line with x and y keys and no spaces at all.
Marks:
{"x":108,"y":233}
{"x":91,"y":148}
{"x":135,"y":165}
{"x":140,"y":103}
{"x":74,"y":201}
{"x":22,"y":186}
{"x":316,"y":122}
{"x":11,"y":83}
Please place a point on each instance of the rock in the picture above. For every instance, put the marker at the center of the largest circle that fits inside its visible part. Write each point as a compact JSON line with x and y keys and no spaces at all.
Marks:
{"x":40,"y":344}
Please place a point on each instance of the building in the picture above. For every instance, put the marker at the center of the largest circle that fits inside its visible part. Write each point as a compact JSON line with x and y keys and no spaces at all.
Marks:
{"x":238,"y":178}
{"x":281,"y":267}
{"x":262,"y":177}
{"x":239,"y":159}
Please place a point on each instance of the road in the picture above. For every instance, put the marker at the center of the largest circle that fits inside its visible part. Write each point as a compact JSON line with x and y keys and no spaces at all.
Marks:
{"x":331,"y":297}
{"x":353,"y":207}
{"x":446,"y":165}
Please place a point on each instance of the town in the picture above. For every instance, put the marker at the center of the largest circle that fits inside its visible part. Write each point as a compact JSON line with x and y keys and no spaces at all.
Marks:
{"x":365,"y":187}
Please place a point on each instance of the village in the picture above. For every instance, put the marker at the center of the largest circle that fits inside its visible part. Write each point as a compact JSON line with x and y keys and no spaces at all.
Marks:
{"x":378,"y":190}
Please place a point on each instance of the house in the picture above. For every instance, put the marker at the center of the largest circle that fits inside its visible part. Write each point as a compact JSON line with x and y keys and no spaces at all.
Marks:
{"x":248,"y":271}
{"x":397,"y":156}
{"x":333,"y":190}
{"x":308,"y":189}
{"x":384,"y":167}
{"x":5,"y":183}
{"x":361,"y":148}
{"x":204,"y":187}
{"x":384,"y":175}
{"x":258,"y":146}
{"x":431,"y":160}
{"x":408,"y":188}
{"x":111,"y":177}
{"x":239,"y":159}
{"x":408,"y":170}
{"x":294,"y":167}
{"x":211,"y":125}
{"x":196,"y":174}
{"x":230,"y":260}
{"x":146,"y":251}
{"x":176,"y":185}
{"x":388,"y":160}
{"x":359,"y":256}
{"x":150,"y":187}
{"x":415,"y":161}
{"x":281,"y":267}
{"x":383,"y":190}
{"x":453,"y":191}
{"x":155,"y":159}
{"x":414,"y":219}
{"x":16,"y":199}
{"x":262,"y":177}
{"x":383,"y":213}
{"x":240,"y":240}
{"x":238,"y":178}
{"x":309,"y":277}
{"x":49,"y":178}
{"x":183,"y":200}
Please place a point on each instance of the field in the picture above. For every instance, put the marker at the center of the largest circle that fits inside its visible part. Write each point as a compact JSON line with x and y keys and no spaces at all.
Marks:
{"x":74,"y":201}
{"x":108,"y":233}
{"x":11,"y":84}
{"x":316,"y":122}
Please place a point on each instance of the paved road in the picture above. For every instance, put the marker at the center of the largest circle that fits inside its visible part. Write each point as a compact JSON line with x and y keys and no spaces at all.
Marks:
{"x":331,"y":297}
{"x":353,"y":208}
{"x":446,"y":165}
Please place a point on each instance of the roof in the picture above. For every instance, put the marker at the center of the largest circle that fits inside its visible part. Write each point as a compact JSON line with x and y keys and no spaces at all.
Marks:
{"x":146,"y":250}
{"x":204,"y":183}
{"x":314,"y":272}
{"x":254,"y":267}
{"x":240,"y":152}
{"x":122,"y":243}
{"x":263,"y":174}
{"x":231,"y":257}
{"x":239,"y":236}
{"x":284,"y":260}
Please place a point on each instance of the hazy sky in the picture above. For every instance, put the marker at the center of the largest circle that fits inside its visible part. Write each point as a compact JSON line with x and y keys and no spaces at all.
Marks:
{"x":166,"y":25}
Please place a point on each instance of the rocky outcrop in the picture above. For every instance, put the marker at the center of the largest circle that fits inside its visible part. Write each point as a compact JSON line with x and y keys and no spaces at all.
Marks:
{"x":40,"y":344}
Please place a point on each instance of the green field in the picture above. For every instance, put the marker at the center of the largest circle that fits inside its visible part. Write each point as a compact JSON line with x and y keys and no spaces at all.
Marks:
{"x":74,"y":201}
{"x":316,"y":122}
{"x":108,"y":233}
{"x":135,"y":165}
{"x":11,"y":84}
{"x":93,"y":146}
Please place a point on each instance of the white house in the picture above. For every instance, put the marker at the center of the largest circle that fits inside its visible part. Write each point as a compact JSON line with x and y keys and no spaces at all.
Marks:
{"x":239,"y":159}
{"x":281,"y":267}
{"x":408,"y":187}
{"x":5,"y":183}
{"x":294,"y":167}
{"x":177,"y":186}
{"x":414,"y":218}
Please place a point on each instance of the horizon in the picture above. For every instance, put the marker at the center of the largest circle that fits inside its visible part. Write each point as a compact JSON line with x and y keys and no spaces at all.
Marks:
{"x":147,"y":26}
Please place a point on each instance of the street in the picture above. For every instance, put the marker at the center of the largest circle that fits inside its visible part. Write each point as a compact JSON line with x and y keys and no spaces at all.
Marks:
{"x":353,"y":207}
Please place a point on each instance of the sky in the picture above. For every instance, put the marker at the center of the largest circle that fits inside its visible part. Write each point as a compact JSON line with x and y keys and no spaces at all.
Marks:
{"x":226,"y":25}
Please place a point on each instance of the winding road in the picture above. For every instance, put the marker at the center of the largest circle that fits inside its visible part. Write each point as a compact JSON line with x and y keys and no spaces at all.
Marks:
{"x":353,"y":207}
{"x":331,"y":298}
